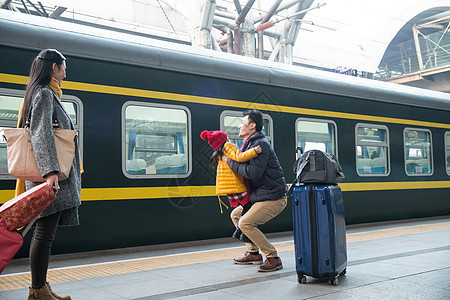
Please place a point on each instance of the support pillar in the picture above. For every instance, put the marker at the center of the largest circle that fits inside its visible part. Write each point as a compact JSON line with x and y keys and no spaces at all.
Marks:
{"x":417,"y":45}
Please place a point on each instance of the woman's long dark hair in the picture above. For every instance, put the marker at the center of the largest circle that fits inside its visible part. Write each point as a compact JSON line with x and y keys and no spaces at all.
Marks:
{"x":218,"y":153}
{"x":40,"y":75}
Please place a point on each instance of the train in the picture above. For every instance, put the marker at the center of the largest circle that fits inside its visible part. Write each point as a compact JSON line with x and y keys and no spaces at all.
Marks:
{"x":139,"y":106}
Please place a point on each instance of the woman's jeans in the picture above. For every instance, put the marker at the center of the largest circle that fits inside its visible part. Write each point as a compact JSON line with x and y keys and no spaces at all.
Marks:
{"x":40,"y":248}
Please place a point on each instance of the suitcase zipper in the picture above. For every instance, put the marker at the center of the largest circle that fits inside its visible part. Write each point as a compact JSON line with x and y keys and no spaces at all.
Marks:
{"x":313,"y":229}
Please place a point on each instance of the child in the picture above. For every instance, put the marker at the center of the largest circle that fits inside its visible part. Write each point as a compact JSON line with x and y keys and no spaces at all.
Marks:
{"x":227,"y":182}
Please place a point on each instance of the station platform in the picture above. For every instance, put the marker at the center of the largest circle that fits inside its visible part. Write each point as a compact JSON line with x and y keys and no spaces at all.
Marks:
{"x":392,"y":260}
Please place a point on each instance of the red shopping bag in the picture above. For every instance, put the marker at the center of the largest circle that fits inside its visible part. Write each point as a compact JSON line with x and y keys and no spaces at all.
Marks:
{"x":10,"y":243}
{"x":20,"y":210}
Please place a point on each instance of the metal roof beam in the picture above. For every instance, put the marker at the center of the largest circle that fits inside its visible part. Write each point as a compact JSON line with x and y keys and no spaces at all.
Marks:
{"x":225,"y":15}
{"x":266,"y":18}
{"x":244,"y":12}
{"x":302,"y":9}
{"x":57,"y":12}
{"x":237,"y":4}
{"x":283,"y":7}
{"x":221,"y":21}
{"x":42,"y":13}
{"x":25,"y":7}
{"x":434,"y":22}
{"x":271,"y":11}
{"x":208,"y":14}
{"x":43,"y":9}
{"x":288,"y":5}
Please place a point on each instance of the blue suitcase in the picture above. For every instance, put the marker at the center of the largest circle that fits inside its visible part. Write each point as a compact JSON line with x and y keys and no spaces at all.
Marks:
{"x":319,"y":232}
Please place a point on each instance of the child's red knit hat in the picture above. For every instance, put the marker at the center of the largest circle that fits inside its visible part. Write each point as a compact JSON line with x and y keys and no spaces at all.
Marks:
{"x":215,"y":138}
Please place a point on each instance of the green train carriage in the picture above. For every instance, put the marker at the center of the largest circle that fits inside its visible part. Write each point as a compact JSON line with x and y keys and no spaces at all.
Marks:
{"x":139,"y":108}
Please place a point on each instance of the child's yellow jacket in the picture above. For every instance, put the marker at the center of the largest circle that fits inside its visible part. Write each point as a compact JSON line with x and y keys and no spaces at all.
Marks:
{"x":228,"y":182}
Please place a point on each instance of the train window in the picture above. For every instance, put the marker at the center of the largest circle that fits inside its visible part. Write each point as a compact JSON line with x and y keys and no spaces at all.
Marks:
{"x":316,"y":134}
{"x":447,"y":151}
{"x":3,"y":157}
{"x":10,"y":101}
{"x":156,"y":140}
{"x":418,"y":158}
{"x":71,"y":109}
{"x":230,"y":121}
{"x":9,"y":112}
{"x":372,"y":150}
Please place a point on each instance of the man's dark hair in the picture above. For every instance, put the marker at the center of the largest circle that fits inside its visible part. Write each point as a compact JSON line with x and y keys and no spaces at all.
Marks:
{"x":255,"y":116}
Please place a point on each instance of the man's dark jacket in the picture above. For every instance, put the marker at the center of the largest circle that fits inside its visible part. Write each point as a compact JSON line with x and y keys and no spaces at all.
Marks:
{"x":264,"y":172}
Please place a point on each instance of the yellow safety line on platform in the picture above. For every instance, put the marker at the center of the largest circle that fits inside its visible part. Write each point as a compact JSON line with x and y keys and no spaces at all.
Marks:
{"x":124,"y":91}
{"x":387,"y":233}
{"x":11,"y":282}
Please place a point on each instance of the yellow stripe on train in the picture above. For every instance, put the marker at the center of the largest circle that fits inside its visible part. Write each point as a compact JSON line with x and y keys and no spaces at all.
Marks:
{"x":99,"y":194}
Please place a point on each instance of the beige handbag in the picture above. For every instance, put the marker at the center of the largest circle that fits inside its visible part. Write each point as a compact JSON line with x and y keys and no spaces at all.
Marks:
{"x":21,"y":160}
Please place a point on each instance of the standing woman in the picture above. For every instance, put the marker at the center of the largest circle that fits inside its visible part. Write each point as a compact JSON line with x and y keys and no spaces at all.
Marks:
{"x":41,"y":106}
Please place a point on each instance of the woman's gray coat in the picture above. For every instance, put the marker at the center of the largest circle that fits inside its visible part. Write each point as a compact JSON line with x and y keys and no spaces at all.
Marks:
{"x":45,"y":108}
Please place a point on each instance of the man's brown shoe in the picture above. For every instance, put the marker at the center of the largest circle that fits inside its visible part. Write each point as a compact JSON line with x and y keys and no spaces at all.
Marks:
{"x":271,"y":264}
{"x":249,"y":259}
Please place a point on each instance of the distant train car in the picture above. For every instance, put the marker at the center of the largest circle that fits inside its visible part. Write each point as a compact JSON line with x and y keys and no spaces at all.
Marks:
{"x":139,"y":107}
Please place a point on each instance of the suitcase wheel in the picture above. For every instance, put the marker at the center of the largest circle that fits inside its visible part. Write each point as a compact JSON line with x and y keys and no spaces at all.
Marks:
{"x":343,"y":272}
{"x":333,"y":281}
{"x":302,"y":279}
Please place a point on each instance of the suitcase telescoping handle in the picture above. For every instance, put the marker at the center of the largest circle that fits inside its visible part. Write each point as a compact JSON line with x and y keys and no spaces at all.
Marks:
{"x":298,"y":153}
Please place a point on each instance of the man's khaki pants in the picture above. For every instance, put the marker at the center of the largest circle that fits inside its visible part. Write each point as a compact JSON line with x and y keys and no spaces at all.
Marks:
{"x":258,"y":214}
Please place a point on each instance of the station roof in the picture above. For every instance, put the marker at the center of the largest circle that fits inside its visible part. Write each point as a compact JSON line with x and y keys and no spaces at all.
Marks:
{"x":351,"y":34}
{"x":355,"y":34}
